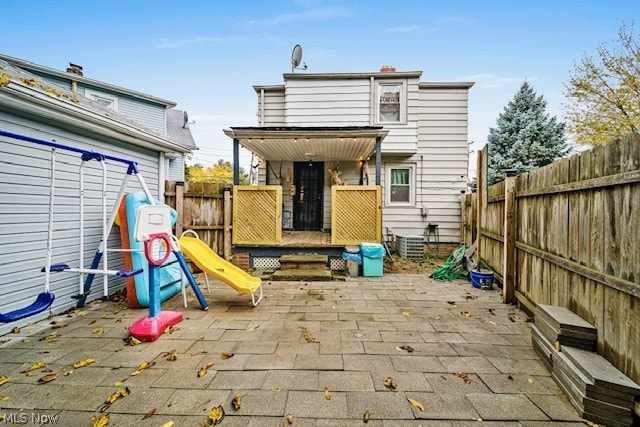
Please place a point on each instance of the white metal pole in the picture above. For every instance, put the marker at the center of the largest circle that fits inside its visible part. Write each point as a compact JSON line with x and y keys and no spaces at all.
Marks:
{"x":81,"y":242}
{"x":145,"y":188}
{"x":47,"y":267}
{"x":105,"y":236}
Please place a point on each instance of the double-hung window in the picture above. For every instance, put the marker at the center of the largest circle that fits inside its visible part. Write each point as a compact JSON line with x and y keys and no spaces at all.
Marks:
{"x":390,"y":103}
{"x":400,"y":185}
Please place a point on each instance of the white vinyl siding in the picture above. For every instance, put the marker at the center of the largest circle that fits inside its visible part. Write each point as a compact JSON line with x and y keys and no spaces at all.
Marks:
{"x":272,"y":113}
{"x":24,"y":198}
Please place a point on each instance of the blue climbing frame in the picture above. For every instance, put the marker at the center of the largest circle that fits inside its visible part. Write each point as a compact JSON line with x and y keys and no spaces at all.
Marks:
{"x":46,"y":298}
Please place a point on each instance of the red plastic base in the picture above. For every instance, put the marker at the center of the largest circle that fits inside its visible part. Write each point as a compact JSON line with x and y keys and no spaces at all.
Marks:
{"x":150,"y":328}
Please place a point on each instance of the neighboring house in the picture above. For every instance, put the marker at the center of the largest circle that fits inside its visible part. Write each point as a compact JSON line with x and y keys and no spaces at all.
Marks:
{"x":315,"y":123}
{"x":154,"y":114}
{"x":52,"y":106}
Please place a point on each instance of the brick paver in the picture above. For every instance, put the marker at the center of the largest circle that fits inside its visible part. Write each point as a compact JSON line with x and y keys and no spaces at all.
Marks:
{"x":457,"y":350}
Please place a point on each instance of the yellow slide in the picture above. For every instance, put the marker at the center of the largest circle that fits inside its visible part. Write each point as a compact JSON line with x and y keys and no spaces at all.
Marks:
{"x":212,"y":264}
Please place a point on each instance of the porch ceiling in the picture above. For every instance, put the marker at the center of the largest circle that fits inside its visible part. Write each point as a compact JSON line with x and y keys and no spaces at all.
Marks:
{"x":292,"y":143}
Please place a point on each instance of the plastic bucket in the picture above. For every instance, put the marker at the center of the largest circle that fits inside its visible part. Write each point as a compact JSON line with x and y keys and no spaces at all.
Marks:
{"x":482,"y":279}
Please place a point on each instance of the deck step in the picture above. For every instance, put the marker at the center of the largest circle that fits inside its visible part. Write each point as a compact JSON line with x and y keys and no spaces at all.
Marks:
{"x":301,"y":274}
{"x":303,"y":262}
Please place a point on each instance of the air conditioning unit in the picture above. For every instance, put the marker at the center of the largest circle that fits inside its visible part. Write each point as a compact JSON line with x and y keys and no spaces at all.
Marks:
{"x":410,"y":246}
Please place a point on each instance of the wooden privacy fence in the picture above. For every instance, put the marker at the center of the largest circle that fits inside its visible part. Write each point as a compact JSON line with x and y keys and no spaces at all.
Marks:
{"x":568,"y":234}
{"x":205,"y":208}
{"x":356,"y":214}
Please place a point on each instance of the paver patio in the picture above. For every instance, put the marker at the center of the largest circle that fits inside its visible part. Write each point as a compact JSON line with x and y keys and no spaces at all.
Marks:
{"x":460,"y":352}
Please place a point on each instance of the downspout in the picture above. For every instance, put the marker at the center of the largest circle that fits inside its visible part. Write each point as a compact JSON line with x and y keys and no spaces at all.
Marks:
{"x":236,"y":161}
{"x":261,"y":107}
{"x":161,"y":176}
{"x":378,"y":158}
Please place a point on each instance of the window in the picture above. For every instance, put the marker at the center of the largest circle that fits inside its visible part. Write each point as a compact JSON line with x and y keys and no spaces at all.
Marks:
{"x":390,"y":103}
{"x":400,"y":185}
{"x":104,"y":99}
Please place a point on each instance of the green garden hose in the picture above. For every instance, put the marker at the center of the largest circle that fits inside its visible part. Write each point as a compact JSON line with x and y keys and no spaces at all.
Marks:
{"x":452,"y":268}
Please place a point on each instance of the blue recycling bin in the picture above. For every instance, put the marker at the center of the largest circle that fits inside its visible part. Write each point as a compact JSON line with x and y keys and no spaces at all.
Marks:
{"x":372,"y":259}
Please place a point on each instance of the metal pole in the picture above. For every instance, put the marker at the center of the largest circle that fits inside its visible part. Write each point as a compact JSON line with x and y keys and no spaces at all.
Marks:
{"x":378,"y":158}
{"x":236,"y":162}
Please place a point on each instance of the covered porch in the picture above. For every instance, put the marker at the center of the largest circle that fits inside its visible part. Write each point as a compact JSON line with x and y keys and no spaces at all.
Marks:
{"x":314,"y":188}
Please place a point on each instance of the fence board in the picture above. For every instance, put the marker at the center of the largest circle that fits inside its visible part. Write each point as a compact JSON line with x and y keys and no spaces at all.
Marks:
{"x":577,"y":223}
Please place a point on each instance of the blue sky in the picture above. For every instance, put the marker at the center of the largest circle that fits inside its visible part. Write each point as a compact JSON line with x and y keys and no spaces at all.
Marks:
{"x":206,"y":55}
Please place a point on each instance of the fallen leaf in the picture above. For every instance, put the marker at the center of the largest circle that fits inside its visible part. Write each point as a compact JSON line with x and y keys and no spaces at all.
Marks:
{"x":149,"y":413}
{"x":5,"y":397}
{"x":470,"y":296}
{"x":58,"y":325}
{"x":416,"y":404}
{"x":98,"y":331}
{"x":131,"y":340}
{"x":490,"y":311}
{"x":510,"y":377}
{"x":277,"y":389}
{"x":365,"y":417}
{"x":26,"y":341}
{"x":203,"y":371}
{"x":52,"y":336}
{"x":464,"y":377}
{"x":16,"y":330}
{"x":142,"y":367}
{"x":453,"y":303}
{"x":405,"y":313}
{"x":172,"y":356}
{"x":118,"y":383}
{"x":101,"y":421}
{"x":406,"y":348}
{"x":236,"y":401}
{"x":66,"y":374}
{"x":3,"y":380}
{"x":327,"y":394}
{"x":115,"y":396}
{"x":35,"y":366}
{"x":5,"y":341}
{"x":169,"y":424}
{"x":512,"y":319}
{"x":92,"y":322}
{"x":216,"y":415}
{"x":309,"y":337}
{"x":388,"y":383}
{"x":47,"y":378}
{"x":438,"y":317}
{"x":557,"y":345}
{"x":531,"y":380}
{"x":465,"y":314}
{"x":493,"y":323}
{"x":289,"y":418}
{"x":84,"y":362}
{"x":116,"y":367}
{"x":225,"y":356}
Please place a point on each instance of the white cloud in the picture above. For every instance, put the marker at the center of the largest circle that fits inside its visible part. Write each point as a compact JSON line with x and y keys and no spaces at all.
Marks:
{"x":488,"y":80}
{"x":312,"y":14}
{"x":167,"y":43}
{"x":404,"y":29}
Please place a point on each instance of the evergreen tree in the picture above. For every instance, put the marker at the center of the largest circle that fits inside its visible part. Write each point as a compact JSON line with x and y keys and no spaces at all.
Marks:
{"x":525,"y":137}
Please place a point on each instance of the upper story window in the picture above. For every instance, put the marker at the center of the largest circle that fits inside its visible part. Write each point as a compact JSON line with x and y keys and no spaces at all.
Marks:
{"x":104,"y":99}
{"x":390,"y":102}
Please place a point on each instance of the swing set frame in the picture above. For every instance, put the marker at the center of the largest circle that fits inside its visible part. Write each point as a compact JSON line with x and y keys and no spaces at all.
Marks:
{"x":86,"y":275}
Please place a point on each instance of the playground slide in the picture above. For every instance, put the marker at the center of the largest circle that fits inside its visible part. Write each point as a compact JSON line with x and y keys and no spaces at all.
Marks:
{"x":138,"y":285}
{"x":212,"y":264}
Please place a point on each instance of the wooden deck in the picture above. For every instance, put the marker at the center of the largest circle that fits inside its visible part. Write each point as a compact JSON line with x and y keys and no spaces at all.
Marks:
{"x":305,"y":239}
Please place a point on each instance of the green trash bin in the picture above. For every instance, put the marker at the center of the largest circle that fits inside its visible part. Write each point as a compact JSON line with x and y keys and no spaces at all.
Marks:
{"x":372,"y":259}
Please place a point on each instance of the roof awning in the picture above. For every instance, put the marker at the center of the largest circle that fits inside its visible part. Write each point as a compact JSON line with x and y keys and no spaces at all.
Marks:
{"x":294,"y":143}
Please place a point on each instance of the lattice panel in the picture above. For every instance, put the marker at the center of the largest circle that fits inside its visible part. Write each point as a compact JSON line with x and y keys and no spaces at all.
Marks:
{"x":257,"y":214}
{"x":336,"y":264}
{"x":266,"y":263}
{"x":356,"y":214}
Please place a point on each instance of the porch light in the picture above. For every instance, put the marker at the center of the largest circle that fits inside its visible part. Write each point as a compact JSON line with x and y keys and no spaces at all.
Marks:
{"x":295,"y":140}
{"x":261,"y":140}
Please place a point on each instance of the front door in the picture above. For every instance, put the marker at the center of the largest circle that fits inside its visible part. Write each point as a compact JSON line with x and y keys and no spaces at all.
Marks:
{"x":307,"y":202}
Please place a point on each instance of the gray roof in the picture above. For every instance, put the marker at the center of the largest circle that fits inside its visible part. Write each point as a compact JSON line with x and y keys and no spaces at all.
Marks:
{"x":178,"y":131}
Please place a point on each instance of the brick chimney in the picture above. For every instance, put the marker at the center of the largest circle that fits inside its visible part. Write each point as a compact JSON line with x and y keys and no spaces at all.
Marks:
{"x":387,"y":69}
{"x":75,"y":69}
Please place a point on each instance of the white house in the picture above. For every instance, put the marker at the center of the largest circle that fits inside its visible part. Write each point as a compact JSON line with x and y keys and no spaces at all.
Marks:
{"x":385,"y":127}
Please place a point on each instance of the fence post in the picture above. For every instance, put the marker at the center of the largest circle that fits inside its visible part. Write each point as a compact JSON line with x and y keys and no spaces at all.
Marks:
{"x":463,"y":217}
{"x":509,"y":254}
{"x":481,"y":185}
{"x":227,"y":222}
{"x":180,"y":207}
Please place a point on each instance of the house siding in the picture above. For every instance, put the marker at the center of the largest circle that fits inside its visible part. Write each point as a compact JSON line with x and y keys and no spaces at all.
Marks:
{"x":24,"y":199}
{"x":273,"y":110}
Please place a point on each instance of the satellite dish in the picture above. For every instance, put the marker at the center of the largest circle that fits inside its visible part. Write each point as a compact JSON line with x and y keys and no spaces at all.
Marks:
{"x":296,"y":58}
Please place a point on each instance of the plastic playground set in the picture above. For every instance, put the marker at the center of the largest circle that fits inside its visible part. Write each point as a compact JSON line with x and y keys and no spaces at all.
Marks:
{"x":155,"y":268}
